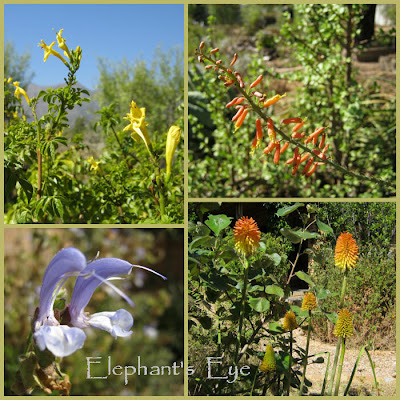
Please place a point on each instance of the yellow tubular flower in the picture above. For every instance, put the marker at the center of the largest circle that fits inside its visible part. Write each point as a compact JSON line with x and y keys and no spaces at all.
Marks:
{"x":289,"y":322}
{"x":247,"y":236}
{"x":344,"y":324}
{"x":269,"y":361}
{"x":309,"y":302}
{"x":173,"y":138}
{"x":48,"y":50}
{"x":19,"y":91}
{"x":137,"y":125}
{"x":346,"y":251}
{"x":9,"y":80}
{"x":94,"y":165}
{"x":62,"y":45}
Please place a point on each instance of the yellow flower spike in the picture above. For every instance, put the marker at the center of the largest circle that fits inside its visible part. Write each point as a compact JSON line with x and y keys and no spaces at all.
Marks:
{"x":19,"y":91}
{"x":94,"y":165}
{"x":344,"y":324}
{"x":48,"y":50}
{"x":173,"y":138}
{"x":309,"y":302}
{"x":137,"y":125}
{"x":61,"y":44}
{"x":346,"y":251}
{"x":269,"y":361}
{"x":289,"y":322}
{"x":247,"y":236}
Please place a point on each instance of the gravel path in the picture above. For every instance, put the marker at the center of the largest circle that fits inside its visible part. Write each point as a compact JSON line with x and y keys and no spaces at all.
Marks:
{"x":363,"y":382}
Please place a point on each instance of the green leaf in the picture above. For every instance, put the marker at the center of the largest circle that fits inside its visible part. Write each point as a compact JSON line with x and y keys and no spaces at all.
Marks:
{"x":203,"y":241}
{"x":324,"y":227}
{"x":217,"y":223}
{"x":291,"y":235}
{"x":259,"y":304}
{"x":288,"y":209}
{"x":304,"y":277}
{"x":276,"y":290}
{"x":59,"y":208}
{"x":27,"y":188}
{"x":275,"y":328}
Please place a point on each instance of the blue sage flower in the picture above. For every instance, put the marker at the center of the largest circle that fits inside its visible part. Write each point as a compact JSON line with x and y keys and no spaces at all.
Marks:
{"x":63,"y":340}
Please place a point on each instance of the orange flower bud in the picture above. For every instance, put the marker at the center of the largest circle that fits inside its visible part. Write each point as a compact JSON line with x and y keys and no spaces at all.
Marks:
{"x":235,"y":56}
{"x":241,"y":118}
{"x":201,"y":45}
{"x":256,"y":82}
{"x":240,"y":80}
{"x":231,"y":103}
{"x":284,"y":147}
{"x":229,"y":83}
{"x":291,"y":120}
{"x":270,"y":147}
{"x":322,"y":142}
{"x":277,"y":153}
{"x":298,"y":135}
{"x":259,"y":128}
{"x":257,"y":94}
{"x":307,"y":166}
{"x":314,"y":134}
{"x":237,"y":115}
{"x":208,"y":66}
{"x":213,"y":51}
{"x":304,"y":157}
{"x":298,"y":126}
{"x":312,"y":170}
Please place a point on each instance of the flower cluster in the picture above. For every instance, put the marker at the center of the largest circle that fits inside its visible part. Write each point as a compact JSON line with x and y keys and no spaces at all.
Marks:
{"x":289,"y":322}
{"x":346,"y":251}
{"x":344,"y":324}
{"x":309,"y":302}
{"x":63,"y":339}
{"x":74,"y":57}
{"x":253,"y":100}
{"x":247,"y":236}
{"x":269,"y":361}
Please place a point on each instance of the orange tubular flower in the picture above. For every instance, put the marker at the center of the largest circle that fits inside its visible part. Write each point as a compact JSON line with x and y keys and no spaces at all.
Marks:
{"x":247,"y":236}
{"x":299,"y":125}
{"x":273,"y":100}
{"x":277,"y":153}
{"x":291,"y":120}
{"x":256,"y":82}
{"x":271,"y":130}
{"x":259,"y":134}
{"x":239,"y":113}
{"x":284,"y":147}
{"x":241,"y":118}
{"x":270,"y":147}
{"x":233,"y":59}
{"x":346,"y":251}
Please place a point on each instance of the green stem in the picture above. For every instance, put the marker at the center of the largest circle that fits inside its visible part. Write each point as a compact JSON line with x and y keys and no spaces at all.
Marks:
{"x":265,"y":384}
{"x":305,"y":360}
{"x":290,"y":363}
{"x":340,"y":367}
{"x":242,"y":309}
{"x":289,"y":139}
{"x":339,"y":343}
{"x":39,"y":154}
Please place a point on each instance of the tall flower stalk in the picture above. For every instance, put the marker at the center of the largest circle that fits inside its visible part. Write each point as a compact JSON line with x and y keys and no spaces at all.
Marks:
{"x":247,"y":240}
{"x":346,"y":255}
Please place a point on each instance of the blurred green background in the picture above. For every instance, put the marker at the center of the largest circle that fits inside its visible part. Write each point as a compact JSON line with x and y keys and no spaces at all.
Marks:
{"x":158,"y":313}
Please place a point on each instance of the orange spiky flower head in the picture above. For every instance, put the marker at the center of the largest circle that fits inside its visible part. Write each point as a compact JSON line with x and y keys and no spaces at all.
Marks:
{"x":269,"y":361}
{"x":309,"y":302}
{"x":289,"y":322}
{"x":344,"y":324}
{"x":247,"y":236}
{"x":346,"y":251}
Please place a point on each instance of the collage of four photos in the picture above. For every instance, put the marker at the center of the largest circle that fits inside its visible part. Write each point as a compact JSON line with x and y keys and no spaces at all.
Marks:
{"x":199,"y":199}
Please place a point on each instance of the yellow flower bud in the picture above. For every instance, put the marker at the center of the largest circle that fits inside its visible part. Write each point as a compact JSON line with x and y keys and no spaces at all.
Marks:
{"x":19,"y":91}
{"x":289,"y":322}
{"x":309,"y":301}
{"x":173,"y":138}
{"x":269,"y":361}
{"x":344,"y":324}
{"x":62,"y":45}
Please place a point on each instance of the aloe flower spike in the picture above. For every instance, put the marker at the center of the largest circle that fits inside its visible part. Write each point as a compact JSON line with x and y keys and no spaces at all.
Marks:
{"x":117,"y":323}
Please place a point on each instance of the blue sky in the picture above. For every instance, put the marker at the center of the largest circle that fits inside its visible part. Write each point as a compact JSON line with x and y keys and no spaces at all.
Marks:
{"x":112,"y":31}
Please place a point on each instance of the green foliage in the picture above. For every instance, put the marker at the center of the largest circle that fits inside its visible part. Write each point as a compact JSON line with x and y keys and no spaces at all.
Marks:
{"x":359,"y":116}
{"x":48,"y":175}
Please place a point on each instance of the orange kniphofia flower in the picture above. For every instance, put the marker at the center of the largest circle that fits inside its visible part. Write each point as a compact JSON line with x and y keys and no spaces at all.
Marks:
{"x":247,"y":236}
{"x":346,"y":251}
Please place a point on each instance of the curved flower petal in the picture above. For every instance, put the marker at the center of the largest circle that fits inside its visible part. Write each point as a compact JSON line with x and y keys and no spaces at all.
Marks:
{"x":96,"y":272}
{"x":117,"y":323}
{"x":61,"y":340}
{"x":66,"y":261}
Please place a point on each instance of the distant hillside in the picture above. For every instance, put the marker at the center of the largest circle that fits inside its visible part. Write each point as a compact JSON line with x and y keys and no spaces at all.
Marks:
{"x":86,"y":110}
